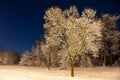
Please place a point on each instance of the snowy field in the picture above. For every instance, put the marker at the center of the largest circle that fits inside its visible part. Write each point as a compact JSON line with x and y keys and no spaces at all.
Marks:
{"x":37,"y":73}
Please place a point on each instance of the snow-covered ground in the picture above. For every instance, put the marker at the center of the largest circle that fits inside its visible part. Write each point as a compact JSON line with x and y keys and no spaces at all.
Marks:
{"x":38,"y":73}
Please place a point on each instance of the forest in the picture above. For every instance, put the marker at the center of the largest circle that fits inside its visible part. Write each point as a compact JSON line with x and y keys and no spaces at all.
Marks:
{"x":71,"y":40}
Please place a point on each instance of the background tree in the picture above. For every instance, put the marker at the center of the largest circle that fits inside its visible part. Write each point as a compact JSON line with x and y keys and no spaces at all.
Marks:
{"x":46,"y":52}
{"x":1,"y":49}
{"x":10,"y":58}
{"x":36,"y":57}
{"x":54,"y":19}
{"x":110,"y":38}
{"x":27,"y":59}
{"x":117,"y":62}
{"x":41,"y":58}
{"x":50,"y":53}
{"x":1,"y":54}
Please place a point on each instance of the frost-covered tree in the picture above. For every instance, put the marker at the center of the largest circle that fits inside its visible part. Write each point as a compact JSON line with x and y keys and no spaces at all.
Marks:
{"x":54,"y":19}
{"x":117,"y":62}
{"x":10,"y":58}
{"x":83,"y":35}
{"x":74,"y":34}
{"x":110,"y":39}
{"x":39,"y":55}
{"x":46,"y":51}
{"x":41,"y":58}
{"x":27,"y":59}
{"x":50,"y":53}
{"x":35,"y":57}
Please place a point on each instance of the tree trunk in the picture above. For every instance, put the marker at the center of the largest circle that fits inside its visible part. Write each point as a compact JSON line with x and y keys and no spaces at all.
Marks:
{"x":111,"y":59}
{"x":105,"y":54}
{"x":72,"y":69}
{"x":49,"y":61}
{"x":104,"y":62}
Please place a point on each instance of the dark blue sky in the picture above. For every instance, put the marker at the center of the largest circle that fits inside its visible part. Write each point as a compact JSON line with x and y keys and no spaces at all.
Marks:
{"x":21,"y":21}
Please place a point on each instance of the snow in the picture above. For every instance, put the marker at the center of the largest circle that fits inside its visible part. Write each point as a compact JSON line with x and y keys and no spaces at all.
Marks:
{"x":38,"y":73}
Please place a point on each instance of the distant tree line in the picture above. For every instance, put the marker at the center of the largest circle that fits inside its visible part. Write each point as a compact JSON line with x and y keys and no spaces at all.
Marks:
{"x":9,"y":57}
{"x":72,"y":40}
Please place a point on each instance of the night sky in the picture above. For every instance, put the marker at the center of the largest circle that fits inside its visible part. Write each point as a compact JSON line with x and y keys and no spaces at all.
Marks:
{"x":21,"y":21}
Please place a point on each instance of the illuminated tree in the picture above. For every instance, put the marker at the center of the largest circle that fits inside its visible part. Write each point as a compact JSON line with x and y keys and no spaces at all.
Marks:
{"x":54,"y":20}
{"x":74,"y":34}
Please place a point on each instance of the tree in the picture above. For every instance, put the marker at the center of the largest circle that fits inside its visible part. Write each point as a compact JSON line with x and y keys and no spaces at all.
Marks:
{"x":110,"y":39}
{"x":27,"y":59}
{"x":50,"y":53}
{"x":1,"y":49}
{"x":1,"y":54}
{"x":75,"y":34}
{"x":46,"y":51}
{"x":51,"y":32}
{"x":41,"y":58}
{"x":10,"y":58}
